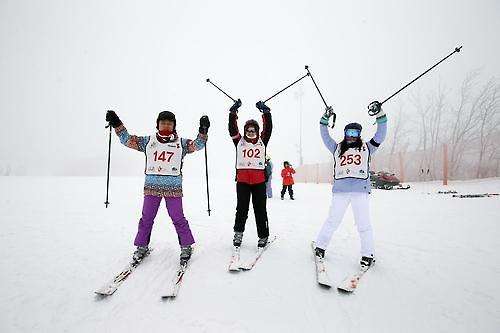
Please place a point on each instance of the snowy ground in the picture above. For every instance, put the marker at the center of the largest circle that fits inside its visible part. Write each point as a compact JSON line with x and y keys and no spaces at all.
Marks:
{"x":437,"y":268}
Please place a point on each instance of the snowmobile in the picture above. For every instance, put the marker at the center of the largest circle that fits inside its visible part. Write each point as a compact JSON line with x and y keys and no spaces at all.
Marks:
{"x":386,"y":181}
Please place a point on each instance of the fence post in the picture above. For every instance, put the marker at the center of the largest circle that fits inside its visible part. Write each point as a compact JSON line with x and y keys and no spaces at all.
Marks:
{"x":317,"y":173}
{"x":401,"y":168}
{"x":445,"y":164}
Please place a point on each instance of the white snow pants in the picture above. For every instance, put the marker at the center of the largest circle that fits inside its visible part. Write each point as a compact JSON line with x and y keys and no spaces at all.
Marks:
{"x":361,"y":211}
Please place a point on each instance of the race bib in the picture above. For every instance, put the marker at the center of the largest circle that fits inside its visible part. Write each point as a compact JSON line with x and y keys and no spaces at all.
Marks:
{"x":250,"y":156}
{"x":163,"y":159}
{"x":353,"y":163}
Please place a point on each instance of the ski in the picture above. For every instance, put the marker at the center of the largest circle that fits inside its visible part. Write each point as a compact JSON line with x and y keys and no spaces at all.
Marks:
{"x":480,"y":195}
{"x":260,"y":250}
{"x":176,"y":282}
{"x":234,"y":264}
{"x":109,"y":288}
{"x":351,"y":282}
{"x":321,"y":275}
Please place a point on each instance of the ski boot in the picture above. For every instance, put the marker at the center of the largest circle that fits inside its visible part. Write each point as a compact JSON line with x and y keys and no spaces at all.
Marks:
{"x":367,"y":262}
{"x":186,"y":252}
{"x":262,"y":242}
{"x":237,"y":239}
{"x":140,"y":253}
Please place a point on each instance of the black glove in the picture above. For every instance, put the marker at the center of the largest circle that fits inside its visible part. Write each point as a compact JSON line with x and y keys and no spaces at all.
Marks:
{"x":204,"y":124}
{"x":374,"y":108}
{"x":235,"y":106}
{"x":262,"y":107}
{"x":327,"y":115}
{"x":113,"y":119}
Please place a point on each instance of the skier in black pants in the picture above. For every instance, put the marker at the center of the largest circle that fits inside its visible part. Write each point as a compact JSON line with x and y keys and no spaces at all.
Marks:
{"x":250,"y":174}
{"x":287,"y":175}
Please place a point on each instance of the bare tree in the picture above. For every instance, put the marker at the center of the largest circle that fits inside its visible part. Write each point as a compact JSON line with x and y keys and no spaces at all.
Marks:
{"x":463,"y":120}
{"x":430,"y":114}
{"x":488,"y":121}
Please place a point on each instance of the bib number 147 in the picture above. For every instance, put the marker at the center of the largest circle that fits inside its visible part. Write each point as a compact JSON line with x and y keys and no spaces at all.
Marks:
{"x":163,"y":156}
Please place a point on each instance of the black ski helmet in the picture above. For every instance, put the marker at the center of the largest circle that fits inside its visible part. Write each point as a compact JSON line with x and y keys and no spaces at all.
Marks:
{"x":353,"y":126}
{"x":165,"y":115}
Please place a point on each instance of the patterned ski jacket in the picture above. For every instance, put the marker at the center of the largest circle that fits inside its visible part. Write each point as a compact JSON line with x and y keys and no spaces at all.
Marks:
{"x":160,"y":185}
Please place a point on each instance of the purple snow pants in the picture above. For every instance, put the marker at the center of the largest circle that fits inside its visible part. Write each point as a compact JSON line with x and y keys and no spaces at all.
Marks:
{"x":174,"y":208}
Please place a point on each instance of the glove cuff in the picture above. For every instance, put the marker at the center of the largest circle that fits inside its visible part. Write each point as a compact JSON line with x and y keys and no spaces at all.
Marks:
{"x":381,"y":119}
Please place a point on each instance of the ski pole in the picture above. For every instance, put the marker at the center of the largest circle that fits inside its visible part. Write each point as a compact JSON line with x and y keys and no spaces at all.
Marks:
{"x":321,"y":95}
{"x":456,"y":50}
{"x":206,"y":176}
{"x":279,"y":92}
{"x":109,"y":161}
{"x":312,"y":78}
{"x":222,"y":91}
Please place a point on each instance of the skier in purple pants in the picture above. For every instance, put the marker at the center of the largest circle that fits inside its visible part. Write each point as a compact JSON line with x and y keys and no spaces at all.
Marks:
{"x":164,"y":152}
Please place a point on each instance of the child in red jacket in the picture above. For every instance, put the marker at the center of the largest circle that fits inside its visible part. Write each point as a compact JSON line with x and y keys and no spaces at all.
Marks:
{"x":287,"y":174}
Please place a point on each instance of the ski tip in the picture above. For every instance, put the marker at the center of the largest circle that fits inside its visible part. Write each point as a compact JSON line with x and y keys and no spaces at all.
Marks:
{"x":345,"y":291}
{"x":233,"y":269}
{"x":102,"y":294}
{"x":168,"y":297}
{"x":245,"y":268}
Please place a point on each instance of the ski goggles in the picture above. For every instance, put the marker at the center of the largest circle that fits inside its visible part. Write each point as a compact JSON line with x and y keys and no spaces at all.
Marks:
{"x":352,"y":132}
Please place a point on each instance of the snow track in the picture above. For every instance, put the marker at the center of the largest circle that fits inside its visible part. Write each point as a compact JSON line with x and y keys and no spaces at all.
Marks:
{"x":434,"y":269}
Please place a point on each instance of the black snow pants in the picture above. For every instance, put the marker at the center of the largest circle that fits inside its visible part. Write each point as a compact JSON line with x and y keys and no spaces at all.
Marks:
{"x":258,"y":194}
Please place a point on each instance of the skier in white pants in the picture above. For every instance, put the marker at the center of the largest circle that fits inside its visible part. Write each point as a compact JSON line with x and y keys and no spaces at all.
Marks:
{"x":351,"y":181}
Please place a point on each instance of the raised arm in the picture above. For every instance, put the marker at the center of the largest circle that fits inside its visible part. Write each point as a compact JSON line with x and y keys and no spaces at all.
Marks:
{"x":381,"y":132}
{"x":328,"y":141}
{"x":131,"y":141}
{"x":190,"y":146}
{"x":267,"y":122}
{"x":267,"y":127}
{"x":233,"y":122}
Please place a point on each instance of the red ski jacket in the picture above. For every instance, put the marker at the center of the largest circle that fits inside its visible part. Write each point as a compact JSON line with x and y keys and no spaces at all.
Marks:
{"x":249,"y":176}
{"x":287,"y":174}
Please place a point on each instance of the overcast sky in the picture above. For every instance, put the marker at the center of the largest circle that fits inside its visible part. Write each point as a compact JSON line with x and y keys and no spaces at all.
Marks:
{"x":64,"y":63}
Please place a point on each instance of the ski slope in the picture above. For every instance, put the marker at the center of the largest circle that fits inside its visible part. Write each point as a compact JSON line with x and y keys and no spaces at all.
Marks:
{"x":437,"y":262}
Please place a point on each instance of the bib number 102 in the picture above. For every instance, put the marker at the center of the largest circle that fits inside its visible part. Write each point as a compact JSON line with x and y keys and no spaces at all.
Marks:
{"x":163,"y":156}
{"x":251,"y":153}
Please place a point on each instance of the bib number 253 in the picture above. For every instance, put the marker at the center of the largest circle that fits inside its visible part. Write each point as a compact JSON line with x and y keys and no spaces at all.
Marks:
{"x":350,"y":159}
